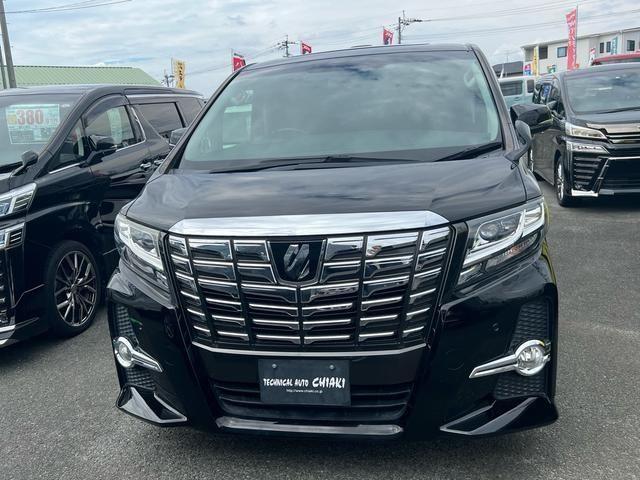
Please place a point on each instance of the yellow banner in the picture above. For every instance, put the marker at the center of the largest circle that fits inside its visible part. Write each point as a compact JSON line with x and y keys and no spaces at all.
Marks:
{"x":179,"y":72}
{"x":534,"y":62}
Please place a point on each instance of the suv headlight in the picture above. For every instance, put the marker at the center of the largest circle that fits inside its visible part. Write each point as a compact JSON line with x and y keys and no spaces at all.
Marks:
{"x":498,"y":239}
{"x":17,"y":200}
{"x":139,"y":248}
{"x":583,"y":132}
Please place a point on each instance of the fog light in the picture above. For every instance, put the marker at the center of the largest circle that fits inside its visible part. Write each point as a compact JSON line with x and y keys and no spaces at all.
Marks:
{"x":124,"y":352}
{"x":531,"y":358}
{"x":127,"y":355}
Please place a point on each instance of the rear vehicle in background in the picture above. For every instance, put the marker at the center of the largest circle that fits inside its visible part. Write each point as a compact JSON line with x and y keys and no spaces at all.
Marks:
{"x":593,"y":146}
{"x":70,"y":158}
{"x":621,"y":58}
{"x":517,"y":89}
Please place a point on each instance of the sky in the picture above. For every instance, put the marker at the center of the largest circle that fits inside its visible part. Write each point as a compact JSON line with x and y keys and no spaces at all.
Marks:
{"x":204,"y":33}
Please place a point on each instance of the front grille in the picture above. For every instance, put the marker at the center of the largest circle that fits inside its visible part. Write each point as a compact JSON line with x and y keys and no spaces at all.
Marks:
{"x":622,"y":175}
{"x":369,"y":292}
{"x":5,"y":299}
{"x":136,"y":375}
{"x":368,"y":404}
{"x":533,"y":324}
{"x":624,"y":137}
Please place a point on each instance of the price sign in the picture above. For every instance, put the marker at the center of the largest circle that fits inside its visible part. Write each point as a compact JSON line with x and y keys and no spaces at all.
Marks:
{"x":32,"y":124}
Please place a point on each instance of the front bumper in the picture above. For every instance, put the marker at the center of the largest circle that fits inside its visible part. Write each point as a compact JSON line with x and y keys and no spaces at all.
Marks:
{"x":415,"y":392}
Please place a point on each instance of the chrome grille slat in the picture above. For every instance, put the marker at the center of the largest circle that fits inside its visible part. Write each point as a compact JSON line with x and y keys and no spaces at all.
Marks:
{"x":375,"y":291}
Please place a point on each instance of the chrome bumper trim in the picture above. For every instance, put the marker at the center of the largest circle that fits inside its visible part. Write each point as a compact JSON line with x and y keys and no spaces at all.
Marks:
{"x":299,"y":225}
{"x":258,"y":353}
{"x":265,"y":426}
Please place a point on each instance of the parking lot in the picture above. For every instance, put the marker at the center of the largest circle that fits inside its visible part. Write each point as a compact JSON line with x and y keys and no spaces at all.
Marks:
{"x":58,"y":420}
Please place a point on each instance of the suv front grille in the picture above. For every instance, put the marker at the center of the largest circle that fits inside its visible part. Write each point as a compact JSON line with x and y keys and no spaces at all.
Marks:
{"x":623,"y":175}
{"x":361,"y":292}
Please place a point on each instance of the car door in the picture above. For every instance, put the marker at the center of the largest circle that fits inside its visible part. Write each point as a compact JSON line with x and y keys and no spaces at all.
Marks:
{"x":553,"y":134}
{"x":539,"y":144}
{"x":123,"y":170}
{"x":159,"y":119}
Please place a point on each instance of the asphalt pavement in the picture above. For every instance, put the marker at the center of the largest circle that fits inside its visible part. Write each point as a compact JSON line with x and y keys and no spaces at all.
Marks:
{"x":58,"y":420}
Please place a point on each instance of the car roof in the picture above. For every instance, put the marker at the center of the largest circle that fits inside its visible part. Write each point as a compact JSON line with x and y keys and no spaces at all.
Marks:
{"x":362,"y":50}
{"x":595,"y":68}
{"x":104,"y":89}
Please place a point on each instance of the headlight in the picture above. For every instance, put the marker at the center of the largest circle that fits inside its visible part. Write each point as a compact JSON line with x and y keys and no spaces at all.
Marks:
{"x":17,"y":200}
{"x":583,"y":132}
{"x":496,"y":240}
{"x":139,"y":247}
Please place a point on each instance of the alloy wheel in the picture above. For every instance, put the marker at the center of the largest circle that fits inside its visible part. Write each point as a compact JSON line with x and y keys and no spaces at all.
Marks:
{"x":76,"y":288}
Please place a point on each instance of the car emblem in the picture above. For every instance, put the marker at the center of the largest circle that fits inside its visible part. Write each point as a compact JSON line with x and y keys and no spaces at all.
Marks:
{"x":296,"y":262}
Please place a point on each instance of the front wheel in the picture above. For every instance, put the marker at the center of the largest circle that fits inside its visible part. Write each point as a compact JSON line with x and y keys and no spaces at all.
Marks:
{"x":73,"y":288}
{"x":559,"y":180}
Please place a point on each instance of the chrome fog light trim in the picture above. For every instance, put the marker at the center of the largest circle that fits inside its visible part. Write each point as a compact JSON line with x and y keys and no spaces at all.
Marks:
{"x":128,"y":356}
{"x":528,"y":359}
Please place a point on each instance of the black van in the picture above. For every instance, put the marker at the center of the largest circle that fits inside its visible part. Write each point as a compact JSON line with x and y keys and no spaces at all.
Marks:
{"x":593,"y":146}
{"x":360,"y":254}
{"x":71,"y":157}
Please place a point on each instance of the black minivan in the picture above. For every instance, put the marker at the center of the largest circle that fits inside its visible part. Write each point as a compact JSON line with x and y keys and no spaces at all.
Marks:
{"x":592,"y":148}
{"x":359,"y":254}
{"x":72,"y":156}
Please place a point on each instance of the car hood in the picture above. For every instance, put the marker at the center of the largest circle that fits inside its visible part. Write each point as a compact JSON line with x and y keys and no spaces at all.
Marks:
{"x":631,"y":116}
{"x":455,"y":190}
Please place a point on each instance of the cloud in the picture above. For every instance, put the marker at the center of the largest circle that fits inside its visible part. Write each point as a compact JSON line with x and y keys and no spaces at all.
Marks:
{"x":148,"y":33}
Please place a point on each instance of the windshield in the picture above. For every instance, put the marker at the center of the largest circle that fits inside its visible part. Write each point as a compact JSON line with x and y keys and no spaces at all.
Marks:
{"x":604,"y":91}
{"x":27,"y":122}
{"x":414,"y":106}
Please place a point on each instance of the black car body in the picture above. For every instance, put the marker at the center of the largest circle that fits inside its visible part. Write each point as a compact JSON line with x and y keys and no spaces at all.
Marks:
{"x":86,"y":151}
{"x":593,"y":146}
{"x":345,"y":292}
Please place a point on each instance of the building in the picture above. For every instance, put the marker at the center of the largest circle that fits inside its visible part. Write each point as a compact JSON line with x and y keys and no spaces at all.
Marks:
{"x":36,"y":75}
{"x":552,"y":56}
{"x":508,"y":69}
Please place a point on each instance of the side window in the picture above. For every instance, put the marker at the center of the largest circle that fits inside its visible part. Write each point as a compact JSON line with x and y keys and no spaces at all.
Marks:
{"x":530,"y":85}
{"x":114,"y":123}
{"x":73,"y":149}
{"x":511,"y":88}
{"x":190,"y":108}
{"x":544,"y":92}
{"x":554,"y":96}
{"x":163,"y":117}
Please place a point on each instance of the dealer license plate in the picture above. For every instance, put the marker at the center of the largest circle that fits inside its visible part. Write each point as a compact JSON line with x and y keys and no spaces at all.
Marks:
{"x":305,"y":382}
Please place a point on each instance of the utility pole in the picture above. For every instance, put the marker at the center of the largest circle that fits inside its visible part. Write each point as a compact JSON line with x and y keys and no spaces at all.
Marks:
{"x":7,"y":46}
{"x":4,"y":76}
{"x":404,"y":22}
{"x":168,"y":79}
{"x":284,"y":45}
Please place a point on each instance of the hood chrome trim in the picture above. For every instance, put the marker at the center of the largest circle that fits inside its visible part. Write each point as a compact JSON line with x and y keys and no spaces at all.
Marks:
{"x":301,"y":225}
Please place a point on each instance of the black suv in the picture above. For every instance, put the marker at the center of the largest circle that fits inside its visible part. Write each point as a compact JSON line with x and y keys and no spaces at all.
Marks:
{"x":361,"y":253}
{"x":71,"y":157}
{"x":593,"y":146}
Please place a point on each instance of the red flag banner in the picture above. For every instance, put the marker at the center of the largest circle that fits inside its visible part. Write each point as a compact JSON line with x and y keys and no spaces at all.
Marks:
{"x":387,"y":36}
{"x":572,"y":24}
{"x":237,"y":62}
{"x":305,"y":48}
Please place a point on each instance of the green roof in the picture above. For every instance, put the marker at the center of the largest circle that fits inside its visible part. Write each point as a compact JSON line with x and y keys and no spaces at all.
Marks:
{"x":37,"y":75}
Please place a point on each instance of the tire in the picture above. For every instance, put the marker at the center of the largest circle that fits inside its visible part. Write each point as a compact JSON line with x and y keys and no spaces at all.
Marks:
{"x":562,"y":194}
{"x":73,"y":288}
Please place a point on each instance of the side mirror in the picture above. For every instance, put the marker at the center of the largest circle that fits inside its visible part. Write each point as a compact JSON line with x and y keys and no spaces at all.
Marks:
{"x":103,"y":145}
{"x":176,"y":135}
{"x":28,"y":158}
{"x":536,"y":116}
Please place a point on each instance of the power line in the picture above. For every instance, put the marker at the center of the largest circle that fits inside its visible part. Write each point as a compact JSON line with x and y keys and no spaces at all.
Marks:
{"x":69,"y":6}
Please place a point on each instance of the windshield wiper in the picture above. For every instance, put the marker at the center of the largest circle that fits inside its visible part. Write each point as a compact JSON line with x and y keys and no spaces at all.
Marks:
{"x":622,"y":109}
{"x":317,"y":162}
{"x":472,"y":152}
